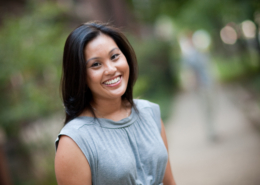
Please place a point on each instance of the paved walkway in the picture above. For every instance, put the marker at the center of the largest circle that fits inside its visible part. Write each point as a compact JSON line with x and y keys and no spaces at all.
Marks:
{"x":233,"y":159}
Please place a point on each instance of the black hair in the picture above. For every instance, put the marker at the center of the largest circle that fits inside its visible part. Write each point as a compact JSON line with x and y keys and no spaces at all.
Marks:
{"x":75,"y":93}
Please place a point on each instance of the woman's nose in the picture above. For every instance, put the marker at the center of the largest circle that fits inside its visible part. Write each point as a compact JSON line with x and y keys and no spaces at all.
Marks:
{"x":110,"y":68}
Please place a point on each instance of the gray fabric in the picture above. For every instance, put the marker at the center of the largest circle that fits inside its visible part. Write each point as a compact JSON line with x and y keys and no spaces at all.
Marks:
{"x":128,"y":152}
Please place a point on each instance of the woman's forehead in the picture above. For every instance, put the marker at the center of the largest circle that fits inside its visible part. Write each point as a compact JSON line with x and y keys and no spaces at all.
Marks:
{"x":101,"y":40}
{"x":100,"y":46}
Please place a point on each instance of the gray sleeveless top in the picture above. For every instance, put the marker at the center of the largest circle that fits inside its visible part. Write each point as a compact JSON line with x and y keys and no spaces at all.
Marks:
{"x":127,"y":152}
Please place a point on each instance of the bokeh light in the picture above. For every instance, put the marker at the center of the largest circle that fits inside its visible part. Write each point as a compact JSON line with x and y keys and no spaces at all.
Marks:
{"x":201,"y":39}
{"x":164,"y":28}
{"x":228,"y":35}
{"x":249,"y":29}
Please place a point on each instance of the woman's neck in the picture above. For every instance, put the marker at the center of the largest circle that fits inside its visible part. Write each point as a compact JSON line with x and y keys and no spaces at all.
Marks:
{"x":107,"y":107}
{"x":115,"y":110}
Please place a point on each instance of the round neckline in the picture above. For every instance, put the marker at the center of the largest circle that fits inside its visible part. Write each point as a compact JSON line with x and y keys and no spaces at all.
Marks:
{"x":108,"y":123}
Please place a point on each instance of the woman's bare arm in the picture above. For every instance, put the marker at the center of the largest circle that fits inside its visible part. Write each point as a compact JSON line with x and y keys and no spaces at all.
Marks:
{"x":71,"y":166}
{"x":168,"y":177}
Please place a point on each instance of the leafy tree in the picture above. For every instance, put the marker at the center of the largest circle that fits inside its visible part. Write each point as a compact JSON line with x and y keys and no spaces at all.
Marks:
{"x":30,"y":51}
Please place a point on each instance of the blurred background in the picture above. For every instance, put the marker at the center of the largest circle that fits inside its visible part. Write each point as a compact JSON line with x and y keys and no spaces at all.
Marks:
{"x":198,"y":59}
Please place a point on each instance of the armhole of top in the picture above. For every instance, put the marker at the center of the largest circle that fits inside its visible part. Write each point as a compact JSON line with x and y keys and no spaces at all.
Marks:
{"x":76,"y":137}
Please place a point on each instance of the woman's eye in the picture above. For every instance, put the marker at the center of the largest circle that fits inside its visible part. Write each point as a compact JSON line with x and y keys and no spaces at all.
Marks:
{"x":96,"y":64}
{"x":115,"y":56}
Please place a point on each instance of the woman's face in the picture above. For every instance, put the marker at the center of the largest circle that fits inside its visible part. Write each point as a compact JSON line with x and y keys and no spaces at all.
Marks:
{"x":107,"y":68}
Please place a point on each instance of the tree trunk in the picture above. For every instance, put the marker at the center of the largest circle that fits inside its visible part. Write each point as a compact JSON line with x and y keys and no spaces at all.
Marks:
{"x":4,"y":171}
{"x":257,"y":44}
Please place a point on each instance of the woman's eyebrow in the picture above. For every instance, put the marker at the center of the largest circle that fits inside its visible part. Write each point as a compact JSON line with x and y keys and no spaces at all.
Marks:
{"x":94,"y":58}
{"x":99,"y":57}
{"x":113,"y":49}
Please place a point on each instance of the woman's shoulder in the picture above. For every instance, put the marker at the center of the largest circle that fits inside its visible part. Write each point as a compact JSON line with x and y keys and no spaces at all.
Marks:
{"x":75,"y":127}
{"x":79,"y":122}
{"x":71,"y":166}
{"x":149,"y":109}
{"x":141,"y":103}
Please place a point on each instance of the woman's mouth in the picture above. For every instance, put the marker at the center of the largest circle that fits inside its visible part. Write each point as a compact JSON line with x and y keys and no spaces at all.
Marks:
{"x":114,"y":81}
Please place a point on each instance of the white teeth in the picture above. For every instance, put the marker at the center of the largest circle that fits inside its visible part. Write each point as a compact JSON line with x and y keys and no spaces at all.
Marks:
{"x":112,"y":81}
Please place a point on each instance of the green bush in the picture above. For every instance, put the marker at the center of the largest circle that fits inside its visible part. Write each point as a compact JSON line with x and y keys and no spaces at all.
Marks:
{"x":30,"y":51}
{"x":236,"y":67}
{"x":157,"y":79}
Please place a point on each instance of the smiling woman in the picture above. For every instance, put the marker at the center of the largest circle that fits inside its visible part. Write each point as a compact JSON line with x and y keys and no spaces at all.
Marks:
{"x":108,"y":137}
{"x":107,"y":69}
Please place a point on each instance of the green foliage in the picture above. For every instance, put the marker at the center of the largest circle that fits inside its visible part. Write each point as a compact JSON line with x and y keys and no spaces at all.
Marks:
{"x":156,"y":79}
{"x":236,"y":67}
{"x":31,"y":54}
{"x":197,"y":14}
{"x":148,"y":11}
{"x":30,"y":51}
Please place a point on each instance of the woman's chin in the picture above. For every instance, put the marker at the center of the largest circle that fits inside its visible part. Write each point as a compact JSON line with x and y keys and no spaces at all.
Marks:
{"x":116,"y":93}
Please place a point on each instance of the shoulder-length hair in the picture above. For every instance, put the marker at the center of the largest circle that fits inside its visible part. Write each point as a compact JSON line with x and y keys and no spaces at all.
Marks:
{"x":75,"y":93}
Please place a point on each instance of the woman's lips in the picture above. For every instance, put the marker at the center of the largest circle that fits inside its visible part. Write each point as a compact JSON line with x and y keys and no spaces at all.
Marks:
{"x":113,"y":82}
